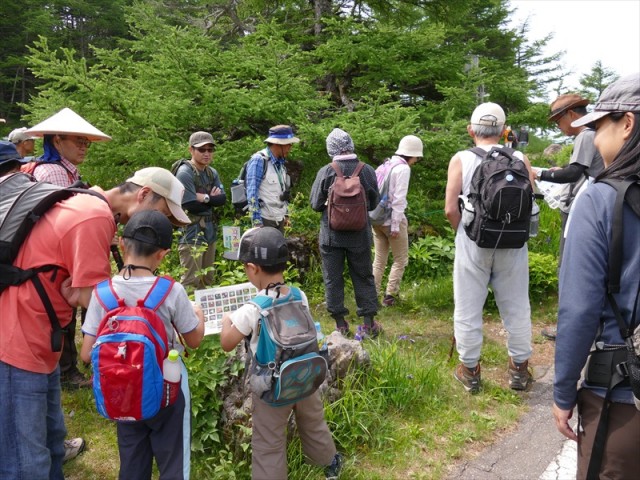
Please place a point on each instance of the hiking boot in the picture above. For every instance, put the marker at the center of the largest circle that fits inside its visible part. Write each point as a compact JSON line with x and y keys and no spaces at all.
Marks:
{"x":73,"y":448}
{"x":550,"y":332}
{"x":366,"y":332}
{"x":342,"y":326}
{"x":73,"y":379}
{"x":332,"y":472}
{"x":470,"y":379}
{"x":519,"y":375}
{"x":389,"y":301}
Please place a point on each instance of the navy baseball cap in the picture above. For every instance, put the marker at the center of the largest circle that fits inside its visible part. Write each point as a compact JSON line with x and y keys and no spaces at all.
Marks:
{"x":150,"y":226}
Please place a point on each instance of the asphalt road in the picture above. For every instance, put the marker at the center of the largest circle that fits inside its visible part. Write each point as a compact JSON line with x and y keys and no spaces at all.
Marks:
{"x":535,"y":450}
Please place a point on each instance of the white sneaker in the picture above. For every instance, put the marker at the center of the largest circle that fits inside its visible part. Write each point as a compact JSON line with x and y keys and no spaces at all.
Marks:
{"x":73,"y":448}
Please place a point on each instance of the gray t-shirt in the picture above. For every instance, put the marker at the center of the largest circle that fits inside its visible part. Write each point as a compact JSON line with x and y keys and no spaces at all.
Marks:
{"x":176,"y":308}
{"x":585,"y":153}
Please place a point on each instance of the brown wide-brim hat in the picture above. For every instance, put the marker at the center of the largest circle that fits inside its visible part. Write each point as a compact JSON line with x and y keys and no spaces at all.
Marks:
{"x":566,"y":102}
{"x":68,"y":122}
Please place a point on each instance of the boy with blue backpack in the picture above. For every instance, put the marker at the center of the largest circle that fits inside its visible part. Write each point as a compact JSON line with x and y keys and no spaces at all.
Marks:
{"x":132,"y":322}
{"x":286,"y":369}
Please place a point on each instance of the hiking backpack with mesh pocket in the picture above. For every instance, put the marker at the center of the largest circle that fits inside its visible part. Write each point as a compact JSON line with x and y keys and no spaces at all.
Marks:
{"x":127,"y":357}
{"x":347,"y":203}
{"x":23,"y":201}
{"x":238,"y":189}
{"x":287,"y":366}
{"x":502,"y":197}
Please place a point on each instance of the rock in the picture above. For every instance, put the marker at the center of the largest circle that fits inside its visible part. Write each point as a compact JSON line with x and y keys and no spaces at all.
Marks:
{"x":552,"y":150}
{"x":345,"y":356}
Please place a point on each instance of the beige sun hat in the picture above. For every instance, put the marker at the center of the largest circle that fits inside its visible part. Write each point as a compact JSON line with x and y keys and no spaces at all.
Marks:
{"x":68,"y":122}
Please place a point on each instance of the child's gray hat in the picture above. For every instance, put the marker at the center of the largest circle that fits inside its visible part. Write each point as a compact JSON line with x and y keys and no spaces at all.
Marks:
{"x":263,"y":246}
{"x":621,"y":96}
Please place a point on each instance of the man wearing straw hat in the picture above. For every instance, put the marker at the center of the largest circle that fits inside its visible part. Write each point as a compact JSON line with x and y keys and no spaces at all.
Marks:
{"x":67,"y":138}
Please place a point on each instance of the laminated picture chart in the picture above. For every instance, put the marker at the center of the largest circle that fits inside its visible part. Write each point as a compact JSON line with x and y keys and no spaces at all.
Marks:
{"x":215,"y":302}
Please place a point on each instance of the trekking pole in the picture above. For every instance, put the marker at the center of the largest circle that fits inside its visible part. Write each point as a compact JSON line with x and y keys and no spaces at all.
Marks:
{"x":117,"y":257}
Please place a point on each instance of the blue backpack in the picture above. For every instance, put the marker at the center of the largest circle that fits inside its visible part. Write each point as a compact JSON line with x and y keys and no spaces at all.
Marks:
{"x":287,"y":366}
{"x":127,"y":358}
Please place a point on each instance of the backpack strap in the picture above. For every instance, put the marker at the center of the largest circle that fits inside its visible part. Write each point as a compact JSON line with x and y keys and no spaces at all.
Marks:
{"x":481,"y":152}
{"x":615,"y":252}
{"x":336,"y":167}
{"x":158,"y":293}
{"x":107,"y":296}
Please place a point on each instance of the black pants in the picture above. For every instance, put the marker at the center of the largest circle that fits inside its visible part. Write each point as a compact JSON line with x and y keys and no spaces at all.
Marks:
{"x":69,"y":357}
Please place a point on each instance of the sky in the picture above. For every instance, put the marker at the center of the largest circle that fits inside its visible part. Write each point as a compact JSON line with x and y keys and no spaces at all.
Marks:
{"x":588,"y":31}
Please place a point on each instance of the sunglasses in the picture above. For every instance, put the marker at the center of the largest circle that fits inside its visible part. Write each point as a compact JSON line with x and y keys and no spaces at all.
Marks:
{"x":204,"y":150}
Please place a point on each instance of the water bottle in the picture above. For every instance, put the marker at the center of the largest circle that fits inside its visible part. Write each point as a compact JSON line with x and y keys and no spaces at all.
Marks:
{"x":468,"y":211}
{"x":535,"y":220}
{"x":172,"y":373}
{"x":322,"y":343}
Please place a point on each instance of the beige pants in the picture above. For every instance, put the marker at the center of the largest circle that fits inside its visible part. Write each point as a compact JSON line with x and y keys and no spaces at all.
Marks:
{"x":383,"y":241}
{"x":269,"y":438}
{"x":193,"y":265}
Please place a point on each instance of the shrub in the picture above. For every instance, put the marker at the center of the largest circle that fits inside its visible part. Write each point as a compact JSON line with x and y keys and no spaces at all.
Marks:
{"x":430,"y":257}
{"x":543,"y":274}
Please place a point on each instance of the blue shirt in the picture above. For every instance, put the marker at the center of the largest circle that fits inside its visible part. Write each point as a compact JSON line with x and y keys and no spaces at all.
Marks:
{"x":583,"y":289}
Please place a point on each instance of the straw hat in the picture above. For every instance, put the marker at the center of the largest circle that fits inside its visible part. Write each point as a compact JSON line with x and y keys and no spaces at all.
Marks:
{"x":68,"y":122}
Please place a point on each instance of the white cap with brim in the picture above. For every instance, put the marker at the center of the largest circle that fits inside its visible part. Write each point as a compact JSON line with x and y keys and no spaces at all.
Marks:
{"x":489,"y":115}
{"x":19,"y":135}
{"x":163,"y":183}
{"x":621,"y":96}
{"x":68,"y":122}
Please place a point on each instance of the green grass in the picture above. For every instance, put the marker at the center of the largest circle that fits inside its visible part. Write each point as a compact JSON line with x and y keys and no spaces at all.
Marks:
{"x":405,"y":417}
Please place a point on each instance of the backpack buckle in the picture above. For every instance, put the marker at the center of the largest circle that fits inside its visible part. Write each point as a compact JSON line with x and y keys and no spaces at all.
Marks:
{"x":112,"y":324}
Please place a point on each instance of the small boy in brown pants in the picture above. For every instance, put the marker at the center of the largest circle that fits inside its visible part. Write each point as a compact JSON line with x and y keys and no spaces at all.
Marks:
{"x":264,"y":253}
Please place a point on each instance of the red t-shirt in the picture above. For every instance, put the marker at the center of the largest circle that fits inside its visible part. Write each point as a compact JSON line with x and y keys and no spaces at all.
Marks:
{"x":75,"y":235}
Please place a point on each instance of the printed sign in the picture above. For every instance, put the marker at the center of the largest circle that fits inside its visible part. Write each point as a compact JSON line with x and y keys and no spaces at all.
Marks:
{"x":231,"y":238}
{"x":215,"y":302}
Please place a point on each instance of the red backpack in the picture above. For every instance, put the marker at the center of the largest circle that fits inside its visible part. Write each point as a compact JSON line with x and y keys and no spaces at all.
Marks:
{"x":127,"y":358}
{"x":347,"y":202}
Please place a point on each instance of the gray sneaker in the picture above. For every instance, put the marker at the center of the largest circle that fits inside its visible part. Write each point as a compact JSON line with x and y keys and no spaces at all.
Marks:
{"x":519,"y":375}
{"x":332,"y":472}
{"x":470,"y":379}
{"x":73,"y":448}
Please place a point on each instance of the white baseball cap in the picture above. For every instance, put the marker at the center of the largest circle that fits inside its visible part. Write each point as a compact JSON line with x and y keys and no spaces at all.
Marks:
{"x":488,"y":114}
{"x":163,"y":183}
{"x":18,"y":135}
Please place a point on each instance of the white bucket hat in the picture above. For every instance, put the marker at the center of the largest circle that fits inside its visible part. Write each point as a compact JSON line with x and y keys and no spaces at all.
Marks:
{"x":68,"y":122}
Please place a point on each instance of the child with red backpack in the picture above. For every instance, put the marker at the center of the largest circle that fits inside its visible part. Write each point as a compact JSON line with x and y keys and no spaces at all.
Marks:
{"x":136,"y":293}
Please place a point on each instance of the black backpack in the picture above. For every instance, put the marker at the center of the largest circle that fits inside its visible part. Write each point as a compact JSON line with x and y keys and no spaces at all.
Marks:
{"x":238,"y":185}
{"x":501,"y":195}
{"x":23,"y":201}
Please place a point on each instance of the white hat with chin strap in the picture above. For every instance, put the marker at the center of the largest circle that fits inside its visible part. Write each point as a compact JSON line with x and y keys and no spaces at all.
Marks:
{"x":410,"y":146}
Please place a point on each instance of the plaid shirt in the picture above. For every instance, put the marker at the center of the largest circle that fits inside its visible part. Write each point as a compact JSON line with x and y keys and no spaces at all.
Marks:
{"x":62,"y":173}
